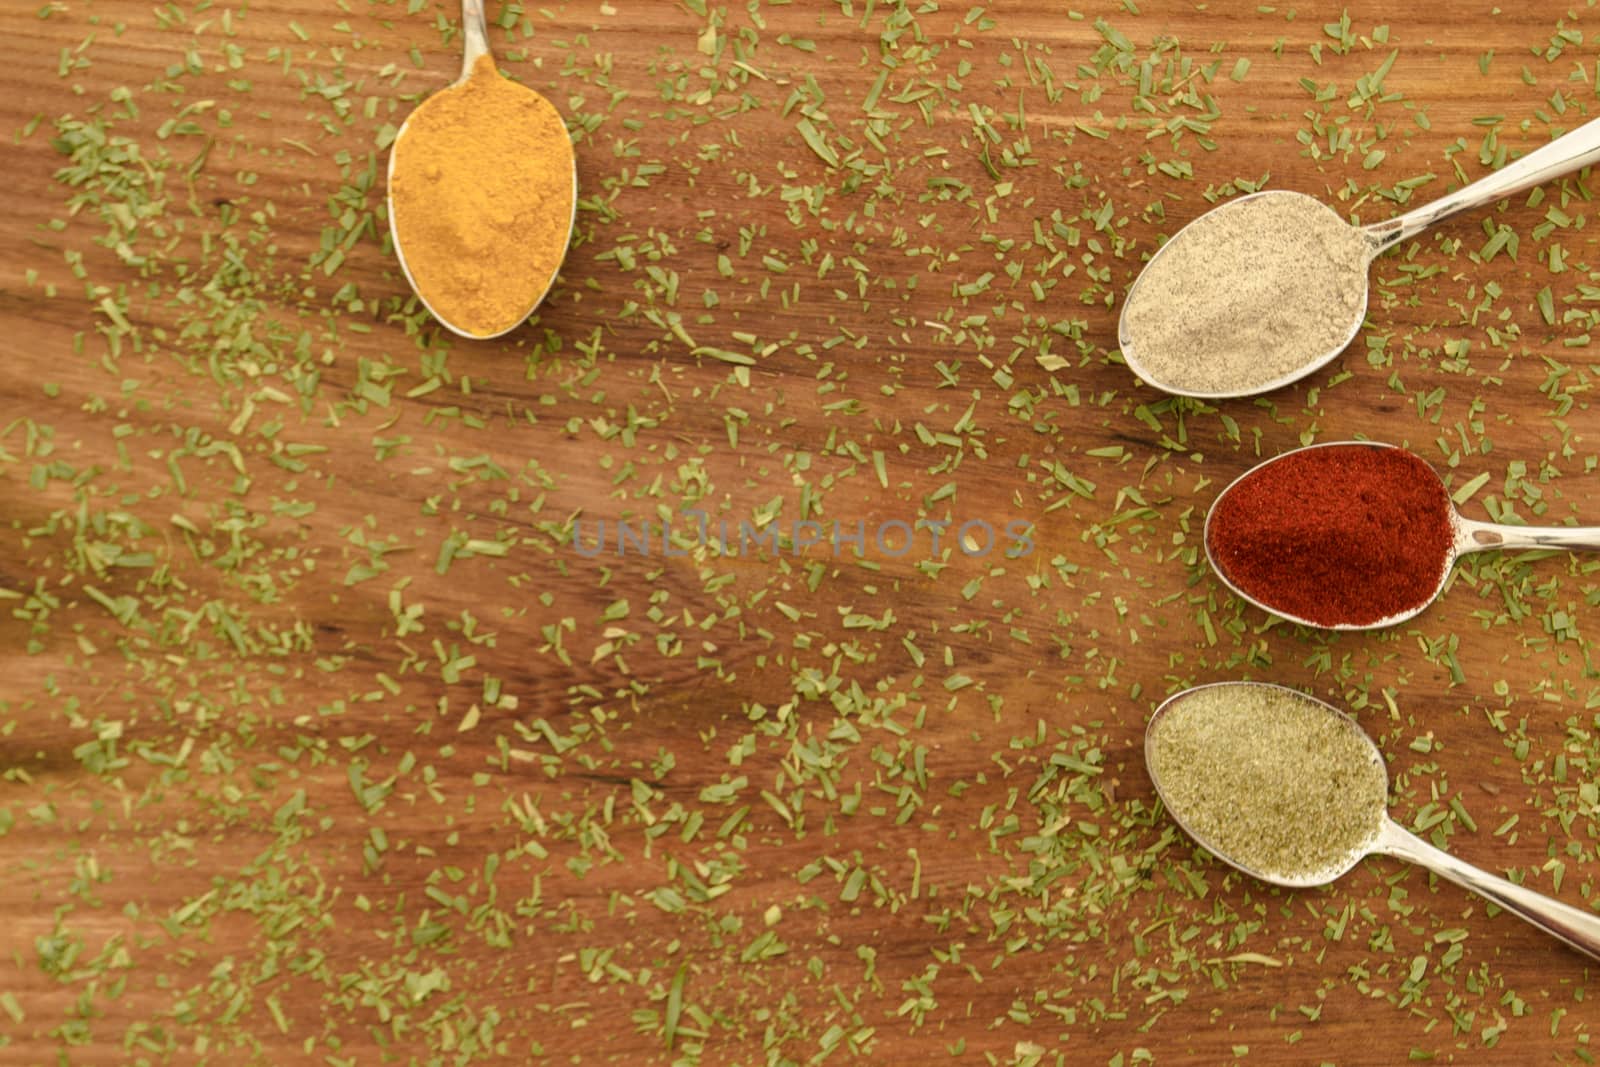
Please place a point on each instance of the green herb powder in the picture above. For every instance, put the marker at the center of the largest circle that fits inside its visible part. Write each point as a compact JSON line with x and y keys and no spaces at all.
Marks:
{"x":1268,"y":778}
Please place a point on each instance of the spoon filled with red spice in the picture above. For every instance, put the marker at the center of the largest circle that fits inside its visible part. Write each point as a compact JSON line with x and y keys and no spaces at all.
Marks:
{"x":1353,"y":535}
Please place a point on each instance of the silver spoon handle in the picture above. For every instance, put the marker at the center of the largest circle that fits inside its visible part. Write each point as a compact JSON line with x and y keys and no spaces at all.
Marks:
{"x":1565,"y":154}
{"x":1474,"y":536}
{"x":475,"y":35}
{"x":1578,"y":928}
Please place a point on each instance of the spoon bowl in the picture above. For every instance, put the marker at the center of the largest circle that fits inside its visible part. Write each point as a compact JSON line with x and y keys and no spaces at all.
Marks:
{"x":1577,"y":928}
{"x":1350,"y":276}
{"x":475,"y":46}
{"x":1466,"y":536}
{"x":1325,"y":871}
{"x":1565,"y":154}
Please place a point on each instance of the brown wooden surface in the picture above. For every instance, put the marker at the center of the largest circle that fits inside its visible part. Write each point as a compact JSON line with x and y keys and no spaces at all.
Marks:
{"x":193,"y":887}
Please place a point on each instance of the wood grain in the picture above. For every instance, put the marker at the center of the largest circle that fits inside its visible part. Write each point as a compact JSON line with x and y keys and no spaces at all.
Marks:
{"x":810,"y":806}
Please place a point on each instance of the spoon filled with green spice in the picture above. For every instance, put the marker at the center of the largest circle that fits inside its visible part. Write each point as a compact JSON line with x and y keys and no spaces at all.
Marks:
{"x":1269,"y":287}
{"x":1352,"y":535}
{"x":1292,"y":791}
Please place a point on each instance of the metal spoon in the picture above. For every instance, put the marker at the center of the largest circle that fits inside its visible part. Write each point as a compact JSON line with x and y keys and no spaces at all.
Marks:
{"x":475,"y":45}
{"x":1470,"y":535}
{"x":1565,"y":154}
{"x":1576,"y":927}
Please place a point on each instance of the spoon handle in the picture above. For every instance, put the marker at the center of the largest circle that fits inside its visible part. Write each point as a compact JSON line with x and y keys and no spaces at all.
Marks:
{"x":1565,"y":154}
{"x":1474,"y":536}
{"x":475,"y":36}
{"x":1578,"y":928}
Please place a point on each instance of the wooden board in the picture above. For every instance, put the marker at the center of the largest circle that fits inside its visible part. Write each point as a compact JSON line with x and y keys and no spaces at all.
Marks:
{"x":324,"y":741}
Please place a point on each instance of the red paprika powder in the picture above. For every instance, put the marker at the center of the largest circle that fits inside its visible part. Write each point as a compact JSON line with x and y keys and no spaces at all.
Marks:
{"x":1345,"y":534}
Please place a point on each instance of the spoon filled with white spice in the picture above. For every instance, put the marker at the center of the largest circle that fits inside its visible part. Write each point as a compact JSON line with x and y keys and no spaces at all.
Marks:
{"x":1292,"y":791}
{"x":1269,"y":287}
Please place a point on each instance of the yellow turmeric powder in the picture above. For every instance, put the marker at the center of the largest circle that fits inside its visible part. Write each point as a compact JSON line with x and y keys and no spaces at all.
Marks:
{"x":480,"y":200}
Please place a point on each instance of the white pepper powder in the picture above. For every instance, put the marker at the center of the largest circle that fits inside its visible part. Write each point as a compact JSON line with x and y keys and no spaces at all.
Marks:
{"x":1247,"y":294}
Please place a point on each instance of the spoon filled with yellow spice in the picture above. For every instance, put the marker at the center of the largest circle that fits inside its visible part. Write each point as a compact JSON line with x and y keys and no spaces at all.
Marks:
{"x":483,"y":192}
